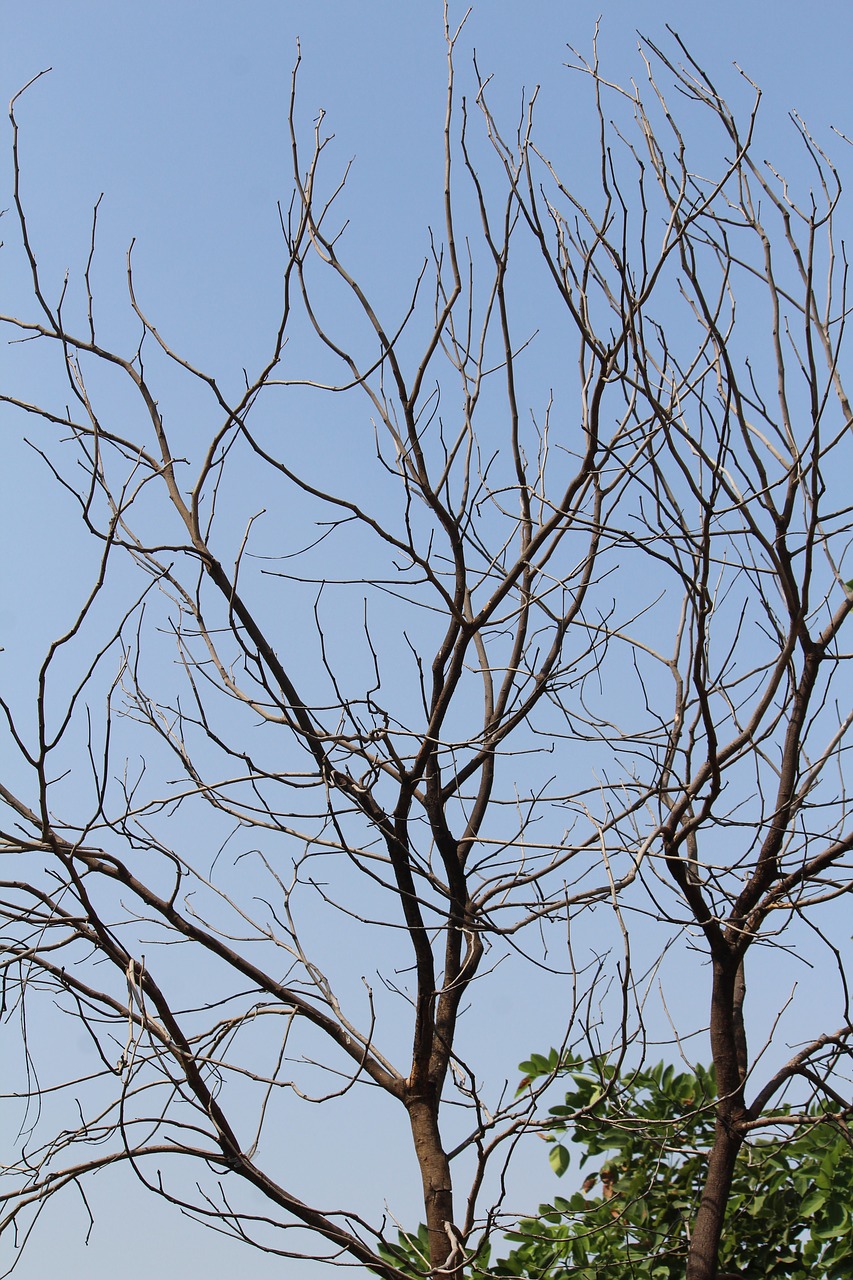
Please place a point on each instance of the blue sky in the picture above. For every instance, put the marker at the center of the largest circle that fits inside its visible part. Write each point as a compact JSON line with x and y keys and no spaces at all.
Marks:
{"x":177,"y":112}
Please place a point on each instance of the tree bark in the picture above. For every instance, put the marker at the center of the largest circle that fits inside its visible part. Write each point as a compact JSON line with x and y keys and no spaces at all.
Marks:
{"x":728,"y":1045}
{"x":437,"y":1185}
{"x":703,"y":1255}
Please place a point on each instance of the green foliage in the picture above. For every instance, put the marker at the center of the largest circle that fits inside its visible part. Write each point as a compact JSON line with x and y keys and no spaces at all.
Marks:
{"x":790,"y":1212}
{"x":410,"y":1253}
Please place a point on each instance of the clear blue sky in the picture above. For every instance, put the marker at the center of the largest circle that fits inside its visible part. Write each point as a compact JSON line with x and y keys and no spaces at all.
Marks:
{"x":177,"y":112}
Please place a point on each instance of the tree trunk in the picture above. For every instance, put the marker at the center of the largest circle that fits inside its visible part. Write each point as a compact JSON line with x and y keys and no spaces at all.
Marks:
{"x":437,"y":1185}
{"x":702,"y":1258}
{"x":728,"y":1045}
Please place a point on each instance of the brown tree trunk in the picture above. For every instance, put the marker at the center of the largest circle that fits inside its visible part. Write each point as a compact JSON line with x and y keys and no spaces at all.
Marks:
{"x":703,"y":1255}
{"x":728,"y":1046}
{"x":437,"y":1185}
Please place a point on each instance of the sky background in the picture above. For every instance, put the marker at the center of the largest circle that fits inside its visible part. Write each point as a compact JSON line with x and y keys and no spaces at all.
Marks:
{"x":177,"y":112}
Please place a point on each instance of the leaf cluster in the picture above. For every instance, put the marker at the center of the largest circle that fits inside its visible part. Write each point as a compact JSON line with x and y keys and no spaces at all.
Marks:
{"x":789,"y":1213}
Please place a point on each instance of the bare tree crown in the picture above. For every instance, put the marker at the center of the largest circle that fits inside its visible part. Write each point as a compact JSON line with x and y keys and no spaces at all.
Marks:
{"x":404,"y":669}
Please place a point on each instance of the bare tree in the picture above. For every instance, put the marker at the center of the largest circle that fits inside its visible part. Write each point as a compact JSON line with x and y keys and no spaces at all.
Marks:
{"x":541,"y":657}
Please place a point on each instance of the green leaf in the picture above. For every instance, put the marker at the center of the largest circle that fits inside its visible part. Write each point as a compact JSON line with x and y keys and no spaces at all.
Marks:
{"x":558,"y":1158}
{"x":833,"y":1221}
{"x":815,"y":1200}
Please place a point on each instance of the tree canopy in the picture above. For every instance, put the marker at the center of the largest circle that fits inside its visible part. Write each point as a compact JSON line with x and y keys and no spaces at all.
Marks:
{"x":482,"y":647}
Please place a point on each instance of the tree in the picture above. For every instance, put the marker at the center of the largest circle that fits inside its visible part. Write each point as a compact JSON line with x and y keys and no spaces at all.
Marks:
{"x":519,"y":662}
